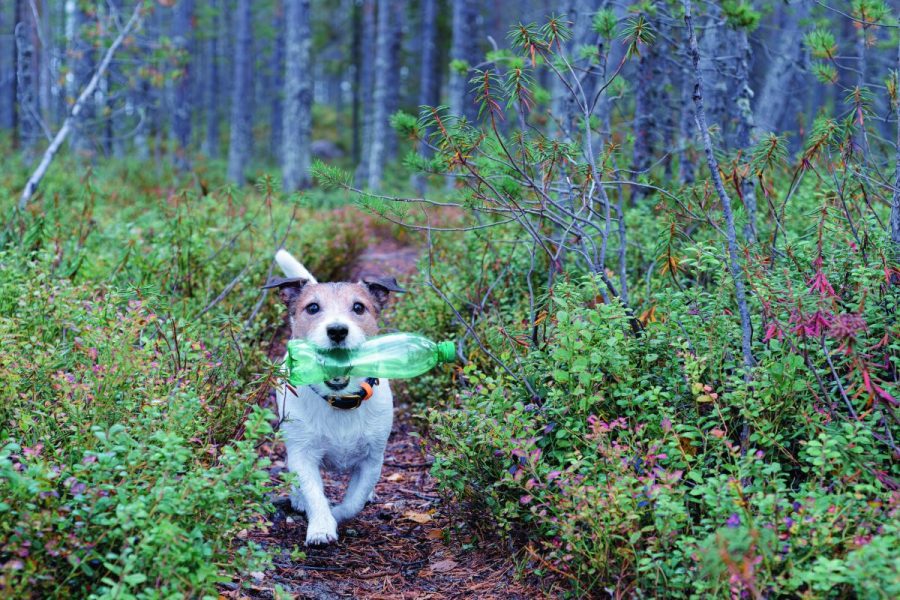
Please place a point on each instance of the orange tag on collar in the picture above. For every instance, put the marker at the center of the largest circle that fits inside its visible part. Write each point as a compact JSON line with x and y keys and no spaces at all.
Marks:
{"x":367,"y":389}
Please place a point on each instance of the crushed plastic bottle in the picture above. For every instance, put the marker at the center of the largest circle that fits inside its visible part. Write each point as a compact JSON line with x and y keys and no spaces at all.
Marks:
{"x":391,"y":356}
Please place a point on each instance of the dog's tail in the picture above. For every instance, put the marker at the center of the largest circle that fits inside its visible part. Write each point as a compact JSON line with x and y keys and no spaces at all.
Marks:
{"x":292,"y":267}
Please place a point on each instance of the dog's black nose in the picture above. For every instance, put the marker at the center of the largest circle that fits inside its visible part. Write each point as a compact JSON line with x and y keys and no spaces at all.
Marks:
{"x":337,"y":333}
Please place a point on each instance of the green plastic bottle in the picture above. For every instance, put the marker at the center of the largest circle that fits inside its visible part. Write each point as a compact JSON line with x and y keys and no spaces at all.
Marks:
{"x":392,"y":356}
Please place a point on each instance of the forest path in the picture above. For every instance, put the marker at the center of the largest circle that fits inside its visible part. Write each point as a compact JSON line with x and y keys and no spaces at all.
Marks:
{"x":402,"y":546}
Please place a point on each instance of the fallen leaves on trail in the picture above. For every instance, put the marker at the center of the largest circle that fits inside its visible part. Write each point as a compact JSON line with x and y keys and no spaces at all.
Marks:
{"x":442,"y":566}
{"x":418,"y":517}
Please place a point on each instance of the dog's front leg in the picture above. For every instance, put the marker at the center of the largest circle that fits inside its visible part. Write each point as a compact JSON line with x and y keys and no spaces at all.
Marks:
{"x":362,"y":482}
{"x":321,"y":525}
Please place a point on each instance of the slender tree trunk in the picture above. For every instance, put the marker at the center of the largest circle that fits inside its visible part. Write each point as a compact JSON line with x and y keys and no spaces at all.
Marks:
{"x":276,"y":90}
{"x":181,"y":116}
{"x":241,"y":141}
{"x":367,"y":81}
{"x":297,"y":95}
{"x":646,"y":97}
{"x":687,"y":128}
{"x":895,"y":201}
{"x":387,"y":15}
{"x":712,"y":163}
{"x":744,"y":114}
{"x":212,"y":89}
{"x":429,"y":82}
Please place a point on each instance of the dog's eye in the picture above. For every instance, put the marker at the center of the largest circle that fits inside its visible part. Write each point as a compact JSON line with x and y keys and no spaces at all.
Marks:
{"x":358,"y":308}
{"x":312,"y":308}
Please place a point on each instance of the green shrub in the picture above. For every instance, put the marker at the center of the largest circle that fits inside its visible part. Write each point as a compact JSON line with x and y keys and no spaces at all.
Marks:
{"x":129,"y":375}
{"x":629,"y":473}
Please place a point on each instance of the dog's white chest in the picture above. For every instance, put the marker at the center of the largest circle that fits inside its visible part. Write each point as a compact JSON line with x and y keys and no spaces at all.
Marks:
{"x":338,"y":439}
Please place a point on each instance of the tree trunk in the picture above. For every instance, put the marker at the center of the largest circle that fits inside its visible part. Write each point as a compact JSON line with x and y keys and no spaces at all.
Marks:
{"x":27,"y":109}
{"x":646,"y":99}
{"x":7,"y":74}
{"x":687,"y":126}
{"x":716,"y":51}
{"x":80,"y":55}
{"x":388,"y":13}
{"x":730,"y":232}
{"x":743,"y":142}
{"x":461,"y":55}
{"x":429,"y":81}
{"x":365,"y":92}
{"x":784,"y":66}
{"x":181,"y":116}
{"x":212,"y":89}
{"x":395,"y":70}
{"x":241,"y":141}
{"x":276,"y":90}
{"x":895,"y":200}
{"x":297,"y":95}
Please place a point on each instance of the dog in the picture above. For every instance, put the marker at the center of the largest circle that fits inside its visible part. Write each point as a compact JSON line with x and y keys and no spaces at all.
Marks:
{"x":342,"y":424}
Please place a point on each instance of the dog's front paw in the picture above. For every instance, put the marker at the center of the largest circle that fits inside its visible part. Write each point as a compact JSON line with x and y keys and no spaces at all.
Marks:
{"x":322,"y":531}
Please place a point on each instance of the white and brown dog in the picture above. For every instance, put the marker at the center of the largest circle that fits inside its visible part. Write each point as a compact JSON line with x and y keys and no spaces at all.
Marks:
{"x":341,"y":424}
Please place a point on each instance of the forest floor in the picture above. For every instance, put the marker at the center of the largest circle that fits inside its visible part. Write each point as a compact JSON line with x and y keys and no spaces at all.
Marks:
{"x":405,"y":544}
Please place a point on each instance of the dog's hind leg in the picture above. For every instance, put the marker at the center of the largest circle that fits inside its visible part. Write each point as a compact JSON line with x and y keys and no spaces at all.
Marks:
{"x":322,"y":526}
{"x":360,"y":489}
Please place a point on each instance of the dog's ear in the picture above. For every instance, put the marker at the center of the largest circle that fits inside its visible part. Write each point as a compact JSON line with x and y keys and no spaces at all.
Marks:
{"x":289,"y":287}
{"x":381,"y":288}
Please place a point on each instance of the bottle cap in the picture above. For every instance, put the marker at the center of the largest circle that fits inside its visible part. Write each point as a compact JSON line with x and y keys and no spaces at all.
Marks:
{"x":446,"y":352}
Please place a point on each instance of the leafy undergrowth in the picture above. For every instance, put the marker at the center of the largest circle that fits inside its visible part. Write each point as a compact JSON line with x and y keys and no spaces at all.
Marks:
{"x":647,"y":463}
{"x":131,"y":365}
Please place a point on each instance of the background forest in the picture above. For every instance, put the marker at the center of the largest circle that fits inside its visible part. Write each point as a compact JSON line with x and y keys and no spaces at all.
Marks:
{"x":665,"y":235}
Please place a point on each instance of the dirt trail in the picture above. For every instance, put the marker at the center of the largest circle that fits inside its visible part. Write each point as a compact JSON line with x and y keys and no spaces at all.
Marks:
{"x":401,"y":546}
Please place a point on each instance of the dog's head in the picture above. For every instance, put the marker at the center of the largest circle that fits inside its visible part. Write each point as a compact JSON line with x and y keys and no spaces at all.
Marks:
{"x":334,"y":315}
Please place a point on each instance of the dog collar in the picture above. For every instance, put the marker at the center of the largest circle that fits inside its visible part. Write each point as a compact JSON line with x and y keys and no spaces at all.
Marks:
{"x":354,"y":400}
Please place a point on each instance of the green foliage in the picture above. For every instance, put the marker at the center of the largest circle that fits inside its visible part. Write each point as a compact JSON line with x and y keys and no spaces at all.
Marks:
{"x":821,"y":43}
{"x":128,"y":426}
{"x":459,"y":66}
{"x":626,"y":447}
{"x":741,"y":14}
{"x":637,"y":33}
{"x":605,"y":24}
